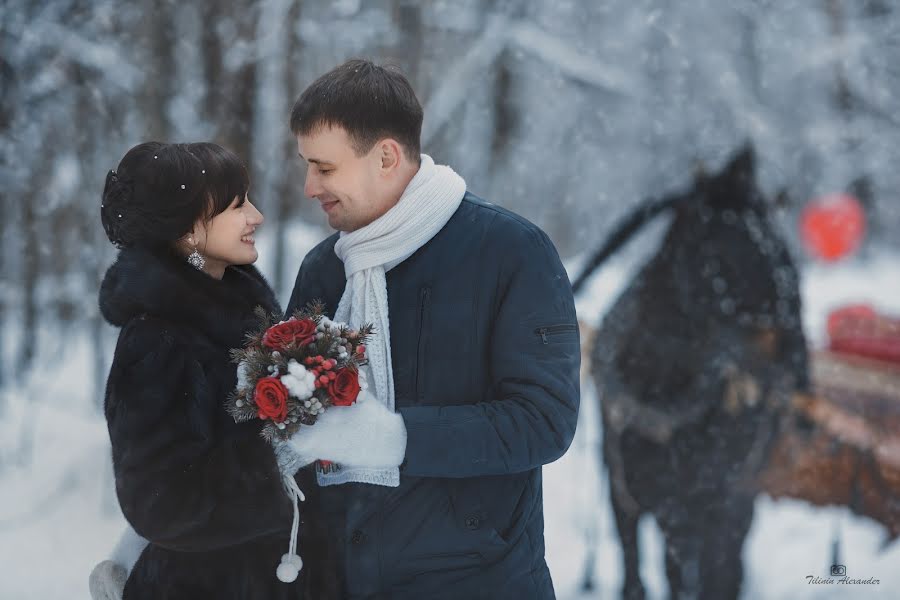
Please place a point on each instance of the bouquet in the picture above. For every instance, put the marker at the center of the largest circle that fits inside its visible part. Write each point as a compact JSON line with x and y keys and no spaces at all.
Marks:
{"x":290,"y":372}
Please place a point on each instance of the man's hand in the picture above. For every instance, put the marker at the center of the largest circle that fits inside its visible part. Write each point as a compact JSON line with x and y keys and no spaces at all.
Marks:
{"x":365,"y":434}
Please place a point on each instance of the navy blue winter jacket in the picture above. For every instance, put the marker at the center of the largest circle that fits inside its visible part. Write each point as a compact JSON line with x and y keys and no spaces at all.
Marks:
{"x":485,"y":350}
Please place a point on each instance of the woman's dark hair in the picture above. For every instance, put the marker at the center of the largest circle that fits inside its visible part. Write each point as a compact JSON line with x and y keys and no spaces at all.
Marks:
{"x":226,"y":176}
{"x":159,"y":191}
{"x":368,"y":101}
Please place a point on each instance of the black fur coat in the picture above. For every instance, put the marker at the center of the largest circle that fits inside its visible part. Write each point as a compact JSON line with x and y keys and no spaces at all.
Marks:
{"x":204,"y":490}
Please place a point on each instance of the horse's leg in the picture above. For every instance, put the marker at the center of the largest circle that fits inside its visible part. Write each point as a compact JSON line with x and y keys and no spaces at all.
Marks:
{"x":626,"y":525}
{"x":681,"y":525}
{"x":722,"y":568}
{"x":626,"y":512}
{"x":673,"y":567}
{"x":683,"y":565}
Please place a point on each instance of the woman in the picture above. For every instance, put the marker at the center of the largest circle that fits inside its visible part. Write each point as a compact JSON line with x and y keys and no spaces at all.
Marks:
{"x":206,"y":492}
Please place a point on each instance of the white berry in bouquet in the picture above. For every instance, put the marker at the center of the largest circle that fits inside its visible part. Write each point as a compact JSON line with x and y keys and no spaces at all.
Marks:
{"x":289,"y":372}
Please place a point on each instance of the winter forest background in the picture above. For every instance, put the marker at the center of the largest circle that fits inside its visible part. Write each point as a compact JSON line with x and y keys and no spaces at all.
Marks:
{"x":568,"y":112}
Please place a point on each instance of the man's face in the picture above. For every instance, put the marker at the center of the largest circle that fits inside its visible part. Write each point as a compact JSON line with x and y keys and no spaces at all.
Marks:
{"x":347,"y":186}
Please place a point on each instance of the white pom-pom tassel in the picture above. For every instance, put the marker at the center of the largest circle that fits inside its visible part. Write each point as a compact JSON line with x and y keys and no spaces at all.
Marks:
{"x":294,"y":559}
{"x":287,"y":572}
{"x":291,"y":563}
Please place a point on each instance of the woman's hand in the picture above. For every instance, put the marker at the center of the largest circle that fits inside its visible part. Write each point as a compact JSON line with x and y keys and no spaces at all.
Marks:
{"x":107,"y":581}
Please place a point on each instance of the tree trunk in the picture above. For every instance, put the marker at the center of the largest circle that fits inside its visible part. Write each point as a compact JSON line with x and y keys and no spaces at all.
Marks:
{"x":30,"y":272}
{"x":289,"y":191}
{"x":157,"y":88}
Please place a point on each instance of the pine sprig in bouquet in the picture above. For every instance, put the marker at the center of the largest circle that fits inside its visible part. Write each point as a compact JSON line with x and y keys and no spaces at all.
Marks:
{"x":290,"y":372}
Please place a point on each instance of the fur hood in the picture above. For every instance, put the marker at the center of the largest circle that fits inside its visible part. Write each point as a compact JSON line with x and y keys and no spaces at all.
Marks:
{"x":164,"y":285}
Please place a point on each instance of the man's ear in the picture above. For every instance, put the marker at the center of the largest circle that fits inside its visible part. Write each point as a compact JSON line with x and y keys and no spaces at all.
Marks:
{"x":391,"y":154}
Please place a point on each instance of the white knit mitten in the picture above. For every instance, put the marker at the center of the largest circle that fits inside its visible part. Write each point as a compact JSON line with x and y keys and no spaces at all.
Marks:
{"x":366,"y":434}
{"x":107,"y":580}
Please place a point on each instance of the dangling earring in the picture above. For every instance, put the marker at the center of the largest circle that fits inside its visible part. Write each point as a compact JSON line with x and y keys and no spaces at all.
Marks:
{"x":195,"y":259}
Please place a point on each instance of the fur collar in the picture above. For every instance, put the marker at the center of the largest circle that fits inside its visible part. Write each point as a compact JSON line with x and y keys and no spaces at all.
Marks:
{"x":162,"y":284}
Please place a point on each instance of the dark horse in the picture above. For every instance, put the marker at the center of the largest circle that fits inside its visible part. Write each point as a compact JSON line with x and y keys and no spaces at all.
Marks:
{"x":694,"y":366}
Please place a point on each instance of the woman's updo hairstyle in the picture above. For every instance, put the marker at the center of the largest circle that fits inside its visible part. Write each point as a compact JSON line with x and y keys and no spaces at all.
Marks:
{"x":159,"y":191}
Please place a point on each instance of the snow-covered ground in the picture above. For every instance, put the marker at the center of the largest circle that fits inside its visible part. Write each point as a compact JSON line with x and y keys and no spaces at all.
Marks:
{"x":58,"y":516}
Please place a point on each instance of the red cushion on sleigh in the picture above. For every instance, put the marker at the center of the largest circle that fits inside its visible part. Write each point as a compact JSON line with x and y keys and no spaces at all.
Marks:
{"x":859,"y":330}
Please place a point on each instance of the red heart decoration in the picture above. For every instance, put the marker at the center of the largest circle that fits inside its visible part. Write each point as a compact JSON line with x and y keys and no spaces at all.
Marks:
{"x":833,"y":226}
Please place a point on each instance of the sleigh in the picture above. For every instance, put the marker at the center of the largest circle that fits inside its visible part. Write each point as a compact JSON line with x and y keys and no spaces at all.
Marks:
{"x":842,"y":443}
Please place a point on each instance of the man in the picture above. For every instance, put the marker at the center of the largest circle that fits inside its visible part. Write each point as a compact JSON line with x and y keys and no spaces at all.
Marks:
{"x":476,"y":349}
{"x":478,"y":326}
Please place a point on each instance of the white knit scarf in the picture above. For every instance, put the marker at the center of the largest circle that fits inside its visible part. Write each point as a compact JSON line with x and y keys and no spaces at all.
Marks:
{"x":368,"y":253}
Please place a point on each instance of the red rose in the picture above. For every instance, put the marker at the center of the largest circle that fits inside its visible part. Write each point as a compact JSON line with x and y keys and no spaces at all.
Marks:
{"x":293,"y":331}
{"x":344,"y":388}
{"x":271,"y":399}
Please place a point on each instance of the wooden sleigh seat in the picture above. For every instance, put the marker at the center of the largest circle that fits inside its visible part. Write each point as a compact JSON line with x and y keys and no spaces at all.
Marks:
{"x":842,"y":444}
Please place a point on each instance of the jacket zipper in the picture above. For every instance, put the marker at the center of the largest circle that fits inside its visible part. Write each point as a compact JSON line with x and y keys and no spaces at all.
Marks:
{"x":551,"y":329}
{"x":424,"y":296}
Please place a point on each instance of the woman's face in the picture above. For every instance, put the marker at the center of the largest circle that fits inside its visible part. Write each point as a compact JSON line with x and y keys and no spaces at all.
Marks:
{"x":228,"y":238}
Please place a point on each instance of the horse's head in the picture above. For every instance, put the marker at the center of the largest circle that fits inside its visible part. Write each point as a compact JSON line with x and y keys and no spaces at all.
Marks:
{"x":728,"y":262}
{"x":734,"y":186}
{"x":720,"y":202}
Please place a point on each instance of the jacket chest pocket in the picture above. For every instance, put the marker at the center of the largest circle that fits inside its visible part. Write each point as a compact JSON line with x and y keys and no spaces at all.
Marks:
{"x":549,"y":334}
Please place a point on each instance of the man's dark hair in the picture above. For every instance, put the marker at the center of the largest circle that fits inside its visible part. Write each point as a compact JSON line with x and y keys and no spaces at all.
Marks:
{"x":368,"y":101}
